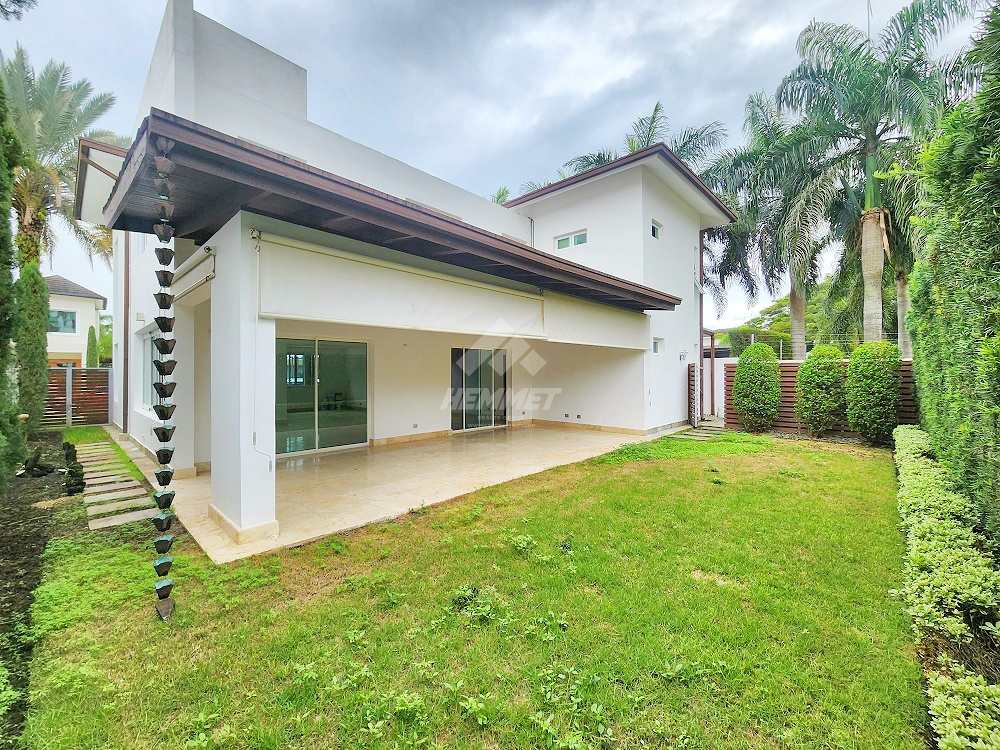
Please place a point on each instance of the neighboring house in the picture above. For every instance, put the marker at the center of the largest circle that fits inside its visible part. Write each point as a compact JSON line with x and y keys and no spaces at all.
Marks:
{"x":329,"y":296}
{"x":73,"y":311}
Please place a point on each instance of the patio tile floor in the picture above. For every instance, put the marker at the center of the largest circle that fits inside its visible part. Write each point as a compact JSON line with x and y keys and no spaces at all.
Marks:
{"x":327,"y":493}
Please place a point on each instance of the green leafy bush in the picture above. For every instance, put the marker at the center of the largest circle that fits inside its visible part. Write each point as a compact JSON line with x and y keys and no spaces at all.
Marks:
{"x":955,"y":288}
{"x":92,"y":360}
{"x":949,"y":583}
{"x":872,"y":389}
{"x":965,"y":709}
{"x":819,"y":389}
{"x":757,"y":387}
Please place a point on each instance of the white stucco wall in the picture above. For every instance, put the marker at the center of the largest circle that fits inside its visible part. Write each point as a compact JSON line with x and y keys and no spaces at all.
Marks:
{"x":74,"y":345}
{"x":610,"y":209}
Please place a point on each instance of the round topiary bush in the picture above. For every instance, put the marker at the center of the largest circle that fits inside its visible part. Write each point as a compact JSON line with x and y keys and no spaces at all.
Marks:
{"x":872,"y":389}
{"x":819,"y":389}
{"x":757,"y":387}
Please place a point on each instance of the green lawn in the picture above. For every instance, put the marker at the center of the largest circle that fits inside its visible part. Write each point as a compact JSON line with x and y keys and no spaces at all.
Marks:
{"x":727,"y":594}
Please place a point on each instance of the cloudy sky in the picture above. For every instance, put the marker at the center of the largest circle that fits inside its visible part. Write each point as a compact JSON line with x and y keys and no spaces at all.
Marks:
{"x":481,"y":94}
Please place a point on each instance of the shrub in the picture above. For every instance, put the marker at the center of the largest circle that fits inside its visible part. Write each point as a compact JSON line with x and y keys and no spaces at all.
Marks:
{"x":949,"y":583}
{"x":757,"y":387}
{"x":32,"y":346}
{"x":955,"y":317}
{"x":965,"y":709}
{"x":92,"y":360}
{"x":872,"y":389}
{"x":819,"y":389}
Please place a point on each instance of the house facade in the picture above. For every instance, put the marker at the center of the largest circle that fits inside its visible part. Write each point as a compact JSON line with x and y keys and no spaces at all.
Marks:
{"x":73,"y":311}
{"x":328,"y":297}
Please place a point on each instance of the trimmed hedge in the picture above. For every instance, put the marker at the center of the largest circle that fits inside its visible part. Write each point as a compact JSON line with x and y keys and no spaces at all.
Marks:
{"x":950,"y":589}
{"x":872,"y":390}
{"x":965,"y":709}
{"x":757,"y":387}
{"x":955,"y":288}
{"x":819,"y":389}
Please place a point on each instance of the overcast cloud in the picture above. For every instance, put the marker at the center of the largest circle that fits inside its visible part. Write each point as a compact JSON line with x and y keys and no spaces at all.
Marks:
{"x":480,"y":94}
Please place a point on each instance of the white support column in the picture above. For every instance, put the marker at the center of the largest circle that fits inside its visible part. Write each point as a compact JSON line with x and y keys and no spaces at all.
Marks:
{"x":184,"y":374}
{"x":242,"y":378}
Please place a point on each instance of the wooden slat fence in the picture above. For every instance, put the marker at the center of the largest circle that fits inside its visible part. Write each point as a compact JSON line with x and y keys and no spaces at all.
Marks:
{"x":85,"y":401}
{"x":788,"y":421}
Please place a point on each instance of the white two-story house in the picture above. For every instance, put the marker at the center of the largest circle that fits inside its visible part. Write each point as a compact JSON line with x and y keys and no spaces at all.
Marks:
{"x":330,"y":297}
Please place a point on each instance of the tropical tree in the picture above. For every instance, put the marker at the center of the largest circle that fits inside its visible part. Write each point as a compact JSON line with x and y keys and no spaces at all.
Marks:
{"x":13,"y":9}
{"x":865,"y":97}
{"x":501,"y":196}
{"x":49,"y":111}
{"x":771,"y":184}
{"x":693,"y":145}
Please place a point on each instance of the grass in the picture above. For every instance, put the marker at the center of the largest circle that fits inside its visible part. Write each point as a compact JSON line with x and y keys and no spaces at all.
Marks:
{"x":84,"y":434}
{"x":723,"y":594}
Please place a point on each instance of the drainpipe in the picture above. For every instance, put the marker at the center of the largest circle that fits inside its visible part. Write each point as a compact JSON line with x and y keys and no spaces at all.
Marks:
{"x":126,"y":333}
{"x":701,"y":320}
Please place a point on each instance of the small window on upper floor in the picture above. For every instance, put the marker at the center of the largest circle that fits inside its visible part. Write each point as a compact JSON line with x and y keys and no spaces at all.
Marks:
{"x":573,"y":239}
{"x":656,"y":227}
{"x":657,"y":346}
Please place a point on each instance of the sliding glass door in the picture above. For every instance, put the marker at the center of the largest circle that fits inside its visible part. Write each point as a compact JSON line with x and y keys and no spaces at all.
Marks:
{"x":478,"y":388}
{"x":321,"y":394}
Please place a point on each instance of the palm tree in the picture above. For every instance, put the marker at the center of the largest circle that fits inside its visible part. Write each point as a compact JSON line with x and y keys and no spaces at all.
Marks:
{"x":49,"y":112}
{"x":780,"y":228}
{"x":693,"y":145}
{"x":865,"y":97}
{"x":501,"y":196}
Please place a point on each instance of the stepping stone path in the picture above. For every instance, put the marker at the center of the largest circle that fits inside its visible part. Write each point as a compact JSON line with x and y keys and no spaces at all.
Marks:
{"x":702,"y":432}
{"x":112,"y":493}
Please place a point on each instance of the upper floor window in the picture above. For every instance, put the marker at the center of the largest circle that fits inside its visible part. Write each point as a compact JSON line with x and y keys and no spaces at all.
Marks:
{"x":573,"y":239}
{"x":62,"y":321}
{"x":655,"y":228}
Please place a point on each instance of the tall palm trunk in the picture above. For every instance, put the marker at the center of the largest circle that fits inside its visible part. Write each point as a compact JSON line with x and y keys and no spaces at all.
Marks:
{"x":872,"y":263}
{"x":902,"y":308}
{"x":797,"y":317}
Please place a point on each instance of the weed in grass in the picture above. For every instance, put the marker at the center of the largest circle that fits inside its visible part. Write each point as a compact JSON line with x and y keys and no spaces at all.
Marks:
{"x":716,"y":480}
{"x":524,"y":544}
{"x":787,"y":472}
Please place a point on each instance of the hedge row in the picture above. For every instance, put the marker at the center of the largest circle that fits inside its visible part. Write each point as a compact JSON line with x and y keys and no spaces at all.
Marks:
{"x":951,"y":590}
{"x":867,"y":389}
{"x":955,"y":289}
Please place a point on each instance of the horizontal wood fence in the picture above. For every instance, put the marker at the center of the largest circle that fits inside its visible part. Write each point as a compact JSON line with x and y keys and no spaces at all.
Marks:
{"x":78,"y":395}
{"x":788,"y":421}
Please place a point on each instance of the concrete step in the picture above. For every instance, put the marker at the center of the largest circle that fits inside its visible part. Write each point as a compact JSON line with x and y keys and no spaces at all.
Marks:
{"x":108,"y":521}
{"x":96,"y":481}
{"x":128,"y":483}
{"x":101,"y":473}
{"x":110,"y":495}
{"x":99,"y":510}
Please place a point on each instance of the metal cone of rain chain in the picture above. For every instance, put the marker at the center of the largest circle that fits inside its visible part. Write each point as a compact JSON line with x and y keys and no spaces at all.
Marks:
{"x":164,"y":366}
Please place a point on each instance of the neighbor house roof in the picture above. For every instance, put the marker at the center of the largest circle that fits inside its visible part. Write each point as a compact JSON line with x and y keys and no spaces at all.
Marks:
{"x":656,"y":152}
{"x":216,"y":175}
{"x":67,"y":288}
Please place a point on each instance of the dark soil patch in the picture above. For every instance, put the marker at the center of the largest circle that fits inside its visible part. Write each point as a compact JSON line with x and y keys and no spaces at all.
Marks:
{"x":24,"y":532}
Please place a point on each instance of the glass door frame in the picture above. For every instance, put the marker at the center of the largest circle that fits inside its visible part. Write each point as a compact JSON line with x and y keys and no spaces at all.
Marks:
{"x":369,"y":383}
{"x":493,"y":410}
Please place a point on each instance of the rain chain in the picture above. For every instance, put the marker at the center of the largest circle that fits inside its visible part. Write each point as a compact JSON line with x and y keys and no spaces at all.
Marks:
{"x":164,"y":364}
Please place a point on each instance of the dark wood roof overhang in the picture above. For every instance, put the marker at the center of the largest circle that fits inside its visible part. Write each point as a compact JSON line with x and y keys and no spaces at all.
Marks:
{"x":215,"y":176}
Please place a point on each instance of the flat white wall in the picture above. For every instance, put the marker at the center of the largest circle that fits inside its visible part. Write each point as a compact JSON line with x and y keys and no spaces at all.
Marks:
{"x":202,"y":372}
{"x":610,"y":209}
{"x":592,"y":385}
{"x":74,"y":345}
{"x":720,"y":385}
{"x":670,"y":263}
{"x":205,"y":72}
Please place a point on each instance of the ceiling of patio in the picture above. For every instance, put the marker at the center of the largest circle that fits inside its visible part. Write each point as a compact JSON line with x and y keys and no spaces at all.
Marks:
{"x":215,"y":176}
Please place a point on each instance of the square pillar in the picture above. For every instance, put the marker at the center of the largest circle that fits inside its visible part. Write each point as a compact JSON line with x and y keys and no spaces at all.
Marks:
{"x":242,"y":398}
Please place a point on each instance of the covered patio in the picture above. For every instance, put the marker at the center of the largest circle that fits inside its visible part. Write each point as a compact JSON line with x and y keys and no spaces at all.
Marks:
{"x":325,"y":493}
